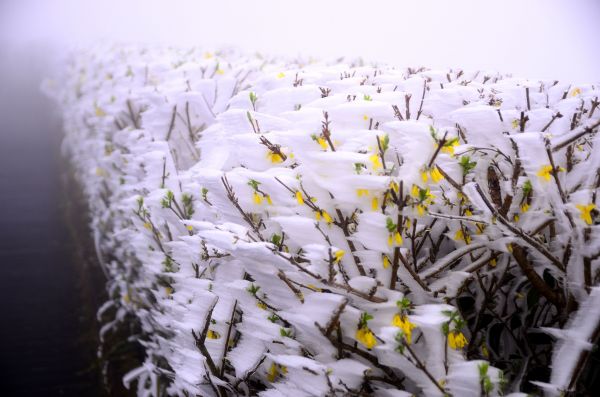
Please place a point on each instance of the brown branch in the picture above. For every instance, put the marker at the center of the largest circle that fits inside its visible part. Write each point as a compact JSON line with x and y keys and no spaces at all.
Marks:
{"x":225,"y":348}
{"x":528,"y":239}
{"x":520,"y":255}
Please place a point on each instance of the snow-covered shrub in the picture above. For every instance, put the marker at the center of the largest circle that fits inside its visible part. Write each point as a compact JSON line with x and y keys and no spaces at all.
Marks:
{"x":292,"y":228}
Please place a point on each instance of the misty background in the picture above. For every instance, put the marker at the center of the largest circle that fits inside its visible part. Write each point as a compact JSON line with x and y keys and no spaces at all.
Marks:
{"x":40,"y":341}
{"x":538,"y":39}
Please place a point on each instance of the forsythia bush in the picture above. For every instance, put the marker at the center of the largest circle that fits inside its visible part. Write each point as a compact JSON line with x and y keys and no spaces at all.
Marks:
{"x":292,"y":228}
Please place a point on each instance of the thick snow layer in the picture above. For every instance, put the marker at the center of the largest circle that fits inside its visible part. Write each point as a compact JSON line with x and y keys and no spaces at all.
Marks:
{"x":304,"y":229}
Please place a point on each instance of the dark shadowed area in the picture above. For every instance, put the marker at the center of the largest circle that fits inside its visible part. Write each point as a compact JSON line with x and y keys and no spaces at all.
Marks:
{"x":50,"y":286}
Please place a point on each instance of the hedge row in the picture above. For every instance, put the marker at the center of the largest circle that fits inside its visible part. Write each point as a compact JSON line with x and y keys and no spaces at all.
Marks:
{"x":294,"y":228}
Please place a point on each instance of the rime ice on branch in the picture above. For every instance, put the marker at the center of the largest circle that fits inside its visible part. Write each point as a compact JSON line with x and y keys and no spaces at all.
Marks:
{"x":293,"y":228}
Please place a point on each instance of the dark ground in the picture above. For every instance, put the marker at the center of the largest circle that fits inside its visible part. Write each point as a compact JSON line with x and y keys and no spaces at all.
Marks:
{"x":50,"y":285}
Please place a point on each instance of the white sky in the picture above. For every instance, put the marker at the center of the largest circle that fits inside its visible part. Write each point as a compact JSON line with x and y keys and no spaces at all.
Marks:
{"x":530,"y":38}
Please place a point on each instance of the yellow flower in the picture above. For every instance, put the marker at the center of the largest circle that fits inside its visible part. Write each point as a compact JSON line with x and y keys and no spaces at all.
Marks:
{"x":484,"y":351}
{"x":148,"y":225}
{"x":394,"y":186}
{"x":99,"y":112}
{"x":394,"y":238}
{"x":459,"y":235}
{"x":515,"y":123}
{"x":401,"y":321}
{"x":365,"y":117}
{"x":415,"y":191}
{"x":323,"y":214}
{"x":386,"y":262}
{"x":362,"y":192}
{"x":586,"y":212}
{"x":480,"y":228}
{"x":212,"y":334}
{"x":189,"y":228}
{"x":449,"y":147}
{"x":220,"y":71}
{"x":274,"y":157}
{"x":256,"y":198}
{"x":468,"y":212}
{"x":428,"y":196}
{"x":436,"y":175}
{"x":576,"y":91}
{"x":375,"y":160}
{"x":432,"y":173}
{"x":299,"y":197}
{"x":366,"y":337}
{"x":168,"y":290}
{"x":339,"y":254}
{"x":421,"y":209}
{"x":524,"y":207}
{"x":322,"y":142}
{"x":516,"y":218}
{"x":272,"y":373}
{"x":456,"y":340}
{"x":281,"y":75}
{"x":374,"y":204}
{"x":398,"y":238}
{"x":261,"y":305}
{"x":545,"y":172}
{"x":493,"y":262}
{"x":268,"y":198}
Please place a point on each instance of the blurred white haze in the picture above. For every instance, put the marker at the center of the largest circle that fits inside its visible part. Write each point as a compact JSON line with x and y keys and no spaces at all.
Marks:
{"x":539,"y":39}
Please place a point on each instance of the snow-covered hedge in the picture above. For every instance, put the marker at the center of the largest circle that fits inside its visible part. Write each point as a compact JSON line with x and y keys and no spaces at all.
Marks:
{"x":292,"y":228}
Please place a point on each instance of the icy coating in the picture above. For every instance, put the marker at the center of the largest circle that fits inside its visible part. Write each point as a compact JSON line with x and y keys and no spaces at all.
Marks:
{"x":297,"y":228}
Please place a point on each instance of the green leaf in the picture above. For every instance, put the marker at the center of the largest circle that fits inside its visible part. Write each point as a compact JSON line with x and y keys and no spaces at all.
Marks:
{"x":364,"y":318}
{"x":433,"y":132}
{"x":445,"y":329}
{"x":483,"y":369}
{"x":285,"y":333}
{"x":390,"y":225}
{"x":253,"y":289}
{"x":466,"y":164}
{"x":358,"y":167}
{"x":527,"y":188}
{"x":403,"y":304}
{"x":385,"y":143}
{"x":276,"y":239}
{"x":488,"y":386}
{"x":140,"y":203}
{"x":253,"y":184}
{"x":273,"y":318}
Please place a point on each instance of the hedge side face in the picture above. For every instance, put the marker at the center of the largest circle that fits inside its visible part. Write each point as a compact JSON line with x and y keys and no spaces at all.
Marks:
{"x":291,"y":228}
